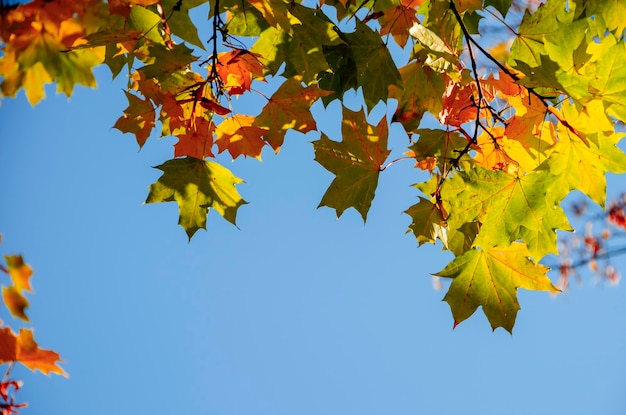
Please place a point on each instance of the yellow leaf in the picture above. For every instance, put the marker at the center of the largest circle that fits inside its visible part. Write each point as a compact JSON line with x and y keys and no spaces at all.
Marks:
{"x":35,"y":78}
{"x":15,"y":302}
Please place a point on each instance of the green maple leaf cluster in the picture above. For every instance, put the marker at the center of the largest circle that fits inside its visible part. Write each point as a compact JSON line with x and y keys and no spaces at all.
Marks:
{"x":511,"y":144}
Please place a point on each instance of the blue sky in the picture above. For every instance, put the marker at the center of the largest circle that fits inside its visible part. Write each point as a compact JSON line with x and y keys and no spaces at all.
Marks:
{"x":294,"y":312}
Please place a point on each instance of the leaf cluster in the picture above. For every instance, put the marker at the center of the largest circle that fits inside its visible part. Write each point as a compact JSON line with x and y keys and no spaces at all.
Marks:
{"x":517,"y":130}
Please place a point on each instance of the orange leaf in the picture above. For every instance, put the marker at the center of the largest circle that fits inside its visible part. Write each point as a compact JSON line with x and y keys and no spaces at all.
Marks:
{"x":19,"y":271}
{"x":458,"y":104}
{"x":138,"y":118}
{"x":197,"y":141}
{"x":237,"y":69}
{"x":15,"y":302}
{"x":240,"y":137}
{"x":398,"y":20}
{"x":24,"y":349}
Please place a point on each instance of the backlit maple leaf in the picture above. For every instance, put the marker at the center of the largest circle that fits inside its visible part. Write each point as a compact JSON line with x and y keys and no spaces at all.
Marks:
{"x":237,"y":69}
{"x":23,"y":349}
{"x":239,"y":136}
{"x":490,"y":278}
{"x":288,"y":108}
{"x":197,"y":140}
{"x":356,"y":161}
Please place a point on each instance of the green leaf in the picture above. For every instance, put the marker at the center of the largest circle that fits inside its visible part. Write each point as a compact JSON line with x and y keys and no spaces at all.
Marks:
{"x":422,"y":91}
{"x":147,"y":22}
{"x":546,"y":21}
{"x":197,"y":185}
{"x":375,"y":69}
{"x":165,"y":62}
{"x":583,"y":165}
{"x":272,"y":46}
{"x":613,"y":13}
{"x":305,"y":52}
{"x":502,"y":6}
{"x":428,"y":222}
{"x":288,"y":109}
{"x":440,"y":144}
{"x":356,"y":161}
{"x":490,"y":278}
{"x":245,"y":21}
{"x":503,"y":203}
{"x":179,"y":21}
{"x":342,"y":74}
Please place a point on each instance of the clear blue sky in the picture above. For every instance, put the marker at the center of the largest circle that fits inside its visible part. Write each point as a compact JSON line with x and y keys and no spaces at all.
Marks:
{"x":295,"y":312}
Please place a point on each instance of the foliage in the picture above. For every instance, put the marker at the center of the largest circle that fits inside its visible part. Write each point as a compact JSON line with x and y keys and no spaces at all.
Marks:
{"x":517,"y":129}
{"x":20,"y":348}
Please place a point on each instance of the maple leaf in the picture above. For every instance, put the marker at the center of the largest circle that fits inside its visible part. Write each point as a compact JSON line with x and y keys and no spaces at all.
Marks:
{"x":439,"y":146}
{"x":179,"y":21}
{"x":529,"y":42}
{"x":428,"y":222}
{"x":138,"y":118}
{"x":275,"y":12}
{"x":239,"y":136}
{"x":197,"y":185}
{"x":583,"y":165}
{"x":19,"y":271}
{"x":197,"y":140}
{"x":39,"y":37}
{"x":356,"y":161}
{"x":490,"y":278}
{"x":20,"y":274}
{"x":503,"y":203}
{"x":166,"y":61}
{"x":375,"y":69}
{"x":398,"y":19}
{"x":304,"y":53}
{"x":15,"y":302}
{"x":23,"y":349}
{"x":433,"y":50}
{"x":459,"y":103}
{"x":237,"y":68}
{"x":422,"y":91}
{"x":288,"y":109}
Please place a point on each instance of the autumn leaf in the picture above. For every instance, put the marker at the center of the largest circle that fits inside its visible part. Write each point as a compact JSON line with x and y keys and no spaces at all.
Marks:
{"x":39,"y":37}
{"x":238,"y":68}
{"x":138,"y":118}
{"x":375,"y":69}
{"x":239,"y":136}
{"x":356,"y":161}
{"x":490,"y":278}
{"x":288,"y":109}
{"x":428,"y":222}
{"x":458,"y":105}
{"x":15,"y":302}
{"x":398,"y":19}
{"x":422,"y":91}
{"x":583,"y":166}
{"x":20,"y":274}
{"x":19,"y":271}
{"x":197,"y":186}
{"x":503,"y":203}
{"x":197,"y":140}
{"x":23,"y":349}
{"x":439,"y":147}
